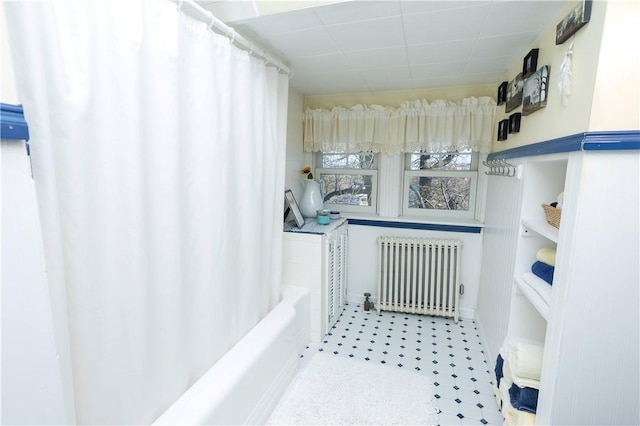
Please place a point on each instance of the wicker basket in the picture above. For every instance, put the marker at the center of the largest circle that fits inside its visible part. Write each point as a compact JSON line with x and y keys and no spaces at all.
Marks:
{"x":553,"y":215}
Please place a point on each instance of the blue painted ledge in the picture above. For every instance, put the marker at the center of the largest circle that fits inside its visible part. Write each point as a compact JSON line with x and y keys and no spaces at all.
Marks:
{"x":12,"y":122}
{"x":588,"y":141}
{"x":470,"y":229}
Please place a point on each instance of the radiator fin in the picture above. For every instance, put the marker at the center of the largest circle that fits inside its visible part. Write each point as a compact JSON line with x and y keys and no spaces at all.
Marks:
{"x":419,"y":275}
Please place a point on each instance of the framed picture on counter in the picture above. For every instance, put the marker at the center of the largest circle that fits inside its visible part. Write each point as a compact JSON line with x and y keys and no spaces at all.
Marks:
{"x":292,"y":206}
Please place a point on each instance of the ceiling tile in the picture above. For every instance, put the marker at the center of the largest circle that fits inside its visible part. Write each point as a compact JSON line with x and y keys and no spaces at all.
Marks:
{"x":271,"y":25}
{"x":377,"y":75}
{"x":440,"y":52}
{"x":352,"y":11}
{"x":363,"y":35}
{"x":510,"y":17}
{"x":366,"y":45}
{"x":512,"y":45}
{"x":386,"y":85}
{"x":334,"y":82}
{"x":446,"y":25}
{"x":437,"y":70}
{"x":413,"y":7}
{"x":486,"y":65}
{"x":313,"y":42}
{"x":378,"y":57}
{"x":321,"y":63}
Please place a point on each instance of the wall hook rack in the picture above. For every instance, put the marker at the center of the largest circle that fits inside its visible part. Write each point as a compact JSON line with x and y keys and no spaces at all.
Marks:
{"x":502,"y":168}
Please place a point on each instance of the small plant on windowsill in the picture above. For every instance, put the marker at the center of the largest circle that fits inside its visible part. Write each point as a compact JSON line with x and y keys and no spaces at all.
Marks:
{"x":306,"y":170}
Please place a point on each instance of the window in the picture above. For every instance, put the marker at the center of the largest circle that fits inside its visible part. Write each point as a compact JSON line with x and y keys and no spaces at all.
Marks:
{"x":440,"y":184}
{"x":348,"y":181}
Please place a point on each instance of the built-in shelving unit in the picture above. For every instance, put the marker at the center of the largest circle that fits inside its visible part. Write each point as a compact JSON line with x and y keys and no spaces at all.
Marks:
{"x":587,"y":319}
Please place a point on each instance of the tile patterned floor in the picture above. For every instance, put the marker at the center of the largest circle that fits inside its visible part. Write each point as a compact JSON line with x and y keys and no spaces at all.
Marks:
{"x":451,"y":354}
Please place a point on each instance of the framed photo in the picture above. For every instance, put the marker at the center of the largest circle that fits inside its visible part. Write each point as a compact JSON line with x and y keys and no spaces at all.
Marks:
{"x":530,"y":63}
{"x":575,"y":20}
{"x":514,"y":93}
{"x":514,"y":122}
{"x":503,"y":127}
{"x":293,"y":207}
{"x":502,"y":93}
{"x":535,"y":91}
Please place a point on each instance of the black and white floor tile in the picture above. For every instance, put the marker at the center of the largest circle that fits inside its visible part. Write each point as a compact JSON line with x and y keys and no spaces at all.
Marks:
{"x":451,"y":354}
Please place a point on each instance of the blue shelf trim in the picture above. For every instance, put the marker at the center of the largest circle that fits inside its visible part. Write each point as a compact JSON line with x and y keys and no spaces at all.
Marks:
{"x":470,"y":229}
{"x":610,"y":141}
{"x":588,"y":141}
{"x":12,"y":122}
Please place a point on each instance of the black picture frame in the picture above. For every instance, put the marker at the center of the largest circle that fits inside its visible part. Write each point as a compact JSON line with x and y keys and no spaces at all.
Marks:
{"x":575,"y":20}
{"x":530,"y":63}
{"x":293,"y":207}
{"x":514,"y":122}
{"x":514,"y":93}
{"x":535,"y":91}
{"x":502,"y":93}
{"x":503,"y":127}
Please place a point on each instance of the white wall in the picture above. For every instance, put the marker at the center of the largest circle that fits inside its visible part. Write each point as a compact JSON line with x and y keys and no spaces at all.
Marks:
{"x":32,"y":384}
{"x":362,"y":261}
{"x":295,"y":156}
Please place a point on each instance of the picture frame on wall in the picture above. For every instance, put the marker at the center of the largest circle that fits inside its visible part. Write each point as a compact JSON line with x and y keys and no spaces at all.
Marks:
{"x":530,"y":63}
{"x":514,"y":93}
{"x":575,"y":20}
{"x":503,"y":127}
{"x":502,"y":93}
{"x":293,"y":207}
{"x":514,"y":122}
{"x":535,"y":91}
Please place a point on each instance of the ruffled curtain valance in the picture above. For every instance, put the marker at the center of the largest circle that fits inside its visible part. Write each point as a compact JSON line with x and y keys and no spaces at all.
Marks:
{"x":415,"y":126}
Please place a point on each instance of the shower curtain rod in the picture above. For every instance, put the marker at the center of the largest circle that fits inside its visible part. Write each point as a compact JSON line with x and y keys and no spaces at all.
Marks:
{"x":197,"y":12}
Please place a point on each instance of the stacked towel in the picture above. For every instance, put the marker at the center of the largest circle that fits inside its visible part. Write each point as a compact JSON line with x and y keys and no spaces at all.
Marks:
{"x":525,"y":362}
{"x":523,"y":399}
{"x":547,"y":255}
{"x":518,"y":380}
{"x":544,"y":267}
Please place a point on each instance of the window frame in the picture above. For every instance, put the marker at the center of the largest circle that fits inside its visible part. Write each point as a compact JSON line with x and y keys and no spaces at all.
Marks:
{"x":347,"y":208}
{"x":433,"y":213}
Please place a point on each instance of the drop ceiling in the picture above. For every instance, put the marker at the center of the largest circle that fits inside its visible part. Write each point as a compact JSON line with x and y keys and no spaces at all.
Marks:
{"x":371,"y":46}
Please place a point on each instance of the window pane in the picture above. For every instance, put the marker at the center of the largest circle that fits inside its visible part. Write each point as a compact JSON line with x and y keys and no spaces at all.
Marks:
{"x":361,"y":160}
{"x":445,"y":161}
{"x":439,"y":193}
{"x":353,"y":190}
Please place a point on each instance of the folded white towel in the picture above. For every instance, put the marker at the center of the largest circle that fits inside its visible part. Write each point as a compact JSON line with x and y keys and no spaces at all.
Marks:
{"x":547,"y":255}
{"x":525,"y":382}
{"x":525,"y":358}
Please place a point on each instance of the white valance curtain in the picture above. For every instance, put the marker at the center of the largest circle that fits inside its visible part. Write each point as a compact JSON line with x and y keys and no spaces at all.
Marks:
{"x":155,"y":142}
{"x":415,"y":126}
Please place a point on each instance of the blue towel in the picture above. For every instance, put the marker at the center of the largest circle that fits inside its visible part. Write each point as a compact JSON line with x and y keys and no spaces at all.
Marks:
{"x":543,"y":271}
{"x":498,"y":369}
{"x":524,"y":399}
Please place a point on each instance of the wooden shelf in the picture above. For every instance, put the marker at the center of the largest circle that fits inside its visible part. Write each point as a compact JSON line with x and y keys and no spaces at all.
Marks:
{"x":542,"y":228}
{"x":537,"y":291}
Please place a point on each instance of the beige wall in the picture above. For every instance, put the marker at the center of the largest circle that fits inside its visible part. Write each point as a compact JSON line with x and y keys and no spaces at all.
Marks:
{"x":8,"y":93}
{"x":395,"y":98}
{"x":616,"y":99}
{"x":556,"y":120}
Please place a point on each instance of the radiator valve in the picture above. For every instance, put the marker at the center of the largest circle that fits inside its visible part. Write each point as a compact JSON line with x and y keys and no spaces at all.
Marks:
{"x":368,"y":304}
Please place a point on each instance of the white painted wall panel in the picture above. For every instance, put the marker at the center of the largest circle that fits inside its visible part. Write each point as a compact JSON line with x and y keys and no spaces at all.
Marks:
{"x":502,"y":222}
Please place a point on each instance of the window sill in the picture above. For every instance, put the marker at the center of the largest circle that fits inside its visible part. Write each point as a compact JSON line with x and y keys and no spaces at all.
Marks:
{"x":413,"y":222}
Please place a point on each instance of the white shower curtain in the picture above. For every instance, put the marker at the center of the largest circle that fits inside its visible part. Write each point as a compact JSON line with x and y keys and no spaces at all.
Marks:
{"x":158,"y":155}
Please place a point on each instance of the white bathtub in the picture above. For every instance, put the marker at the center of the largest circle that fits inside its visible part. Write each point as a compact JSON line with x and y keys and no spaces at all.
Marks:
{"x":247,"y":383}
